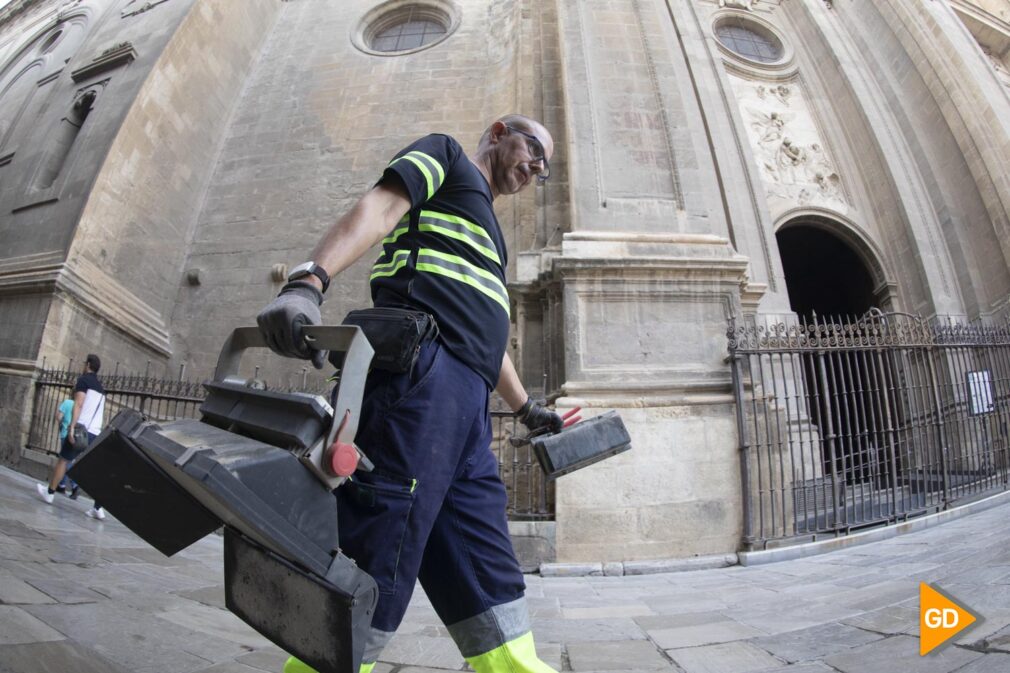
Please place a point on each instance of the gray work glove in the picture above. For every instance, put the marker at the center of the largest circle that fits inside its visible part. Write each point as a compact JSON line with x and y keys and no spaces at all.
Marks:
{"x":535,"y":417}
{"x":282,"y":320}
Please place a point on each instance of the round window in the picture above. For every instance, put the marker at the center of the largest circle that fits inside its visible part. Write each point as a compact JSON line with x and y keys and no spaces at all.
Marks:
{"x":750,"y":41}
{"x":403,"y":27}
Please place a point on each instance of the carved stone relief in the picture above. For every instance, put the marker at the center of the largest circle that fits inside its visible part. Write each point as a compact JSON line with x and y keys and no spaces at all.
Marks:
{"x":135,"y":7}
{"x":742,"y":4}
{"x":795,"y":166}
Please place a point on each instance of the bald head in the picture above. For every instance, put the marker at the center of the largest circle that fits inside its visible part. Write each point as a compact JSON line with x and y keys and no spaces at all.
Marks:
{"x":512,"y":151}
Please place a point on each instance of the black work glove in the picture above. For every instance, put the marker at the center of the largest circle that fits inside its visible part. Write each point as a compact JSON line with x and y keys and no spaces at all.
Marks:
{"x":282,"y":320}
{"x":536,"y":416}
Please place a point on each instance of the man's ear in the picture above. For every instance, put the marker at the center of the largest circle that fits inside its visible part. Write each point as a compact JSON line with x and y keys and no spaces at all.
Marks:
{"x":498,"y":129}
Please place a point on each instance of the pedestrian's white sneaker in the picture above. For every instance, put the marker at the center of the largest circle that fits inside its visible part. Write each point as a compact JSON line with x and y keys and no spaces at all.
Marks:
{"x":95,"y":513}
{"x":44,"y":493}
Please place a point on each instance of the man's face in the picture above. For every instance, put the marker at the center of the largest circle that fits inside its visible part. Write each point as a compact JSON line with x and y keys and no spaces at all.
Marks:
{"x":521,"y":155}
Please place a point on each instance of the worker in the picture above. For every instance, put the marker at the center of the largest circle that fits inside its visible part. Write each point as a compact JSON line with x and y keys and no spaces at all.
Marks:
{"x":434,"y":506}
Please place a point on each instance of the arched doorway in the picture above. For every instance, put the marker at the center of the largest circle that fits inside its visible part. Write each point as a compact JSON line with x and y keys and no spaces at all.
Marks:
{"x":829,"y":281}
{"x":825,"y":276}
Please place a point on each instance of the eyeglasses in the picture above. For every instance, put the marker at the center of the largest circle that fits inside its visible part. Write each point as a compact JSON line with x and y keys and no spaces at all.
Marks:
{"x":536,"y":150}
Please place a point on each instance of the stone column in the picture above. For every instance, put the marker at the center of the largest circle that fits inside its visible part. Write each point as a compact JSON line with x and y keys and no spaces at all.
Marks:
{"x":633,"y":305}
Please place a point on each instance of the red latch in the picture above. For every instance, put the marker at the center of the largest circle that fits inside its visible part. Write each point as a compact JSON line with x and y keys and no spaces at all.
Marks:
{"x":341,"y":459}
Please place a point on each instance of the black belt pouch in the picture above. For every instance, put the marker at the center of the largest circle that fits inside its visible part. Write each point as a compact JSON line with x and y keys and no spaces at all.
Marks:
{"x":396,"y":334}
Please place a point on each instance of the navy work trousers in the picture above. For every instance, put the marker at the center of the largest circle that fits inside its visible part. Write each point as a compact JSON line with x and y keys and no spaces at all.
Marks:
{"x":434,"y":507}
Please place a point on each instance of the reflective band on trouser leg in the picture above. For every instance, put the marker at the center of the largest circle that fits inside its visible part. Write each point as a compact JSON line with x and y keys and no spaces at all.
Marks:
{"x":515,"y":656}
{"x":293,"y":665}
{"x":499,"y":640}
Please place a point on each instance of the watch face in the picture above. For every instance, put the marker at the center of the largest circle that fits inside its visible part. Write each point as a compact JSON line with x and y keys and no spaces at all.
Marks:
{"x":312,"y":268}
{"x":300,"y":270}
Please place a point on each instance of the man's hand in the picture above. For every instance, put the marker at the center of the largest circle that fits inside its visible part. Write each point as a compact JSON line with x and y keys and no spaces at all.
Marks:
{"x":282,"y":320}
{"x":536,"y":417}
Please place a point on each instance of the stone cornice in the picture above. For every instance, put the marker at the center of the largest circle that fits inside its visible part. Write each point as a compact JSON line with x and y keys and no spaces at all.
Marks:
{"x":981,"y":15}
{"x":14,"y":9}
{"x":17,"y":367}
{"x":80,"y":281}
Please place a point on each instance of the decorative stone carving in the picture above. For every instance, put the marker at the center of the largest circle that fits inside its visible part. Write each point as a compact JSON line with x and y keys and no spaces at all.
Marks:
{"x":134,"y":8}
{"x":742,"y":4}
{"x":795,"y":167}
{"x":829,"y":185}
{"x":768,"y":126}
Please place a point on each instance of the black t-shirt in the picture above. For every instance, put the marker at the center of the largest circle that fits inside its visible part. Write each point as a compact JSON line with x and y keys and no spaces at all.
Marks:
{"x":447,"y":255}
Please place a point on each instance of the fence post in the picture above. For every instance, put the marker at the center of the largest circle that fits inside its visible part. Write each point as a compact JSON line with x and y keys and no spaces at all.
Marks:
{"x":829,"y":436}
{"x":889,"y":431}
{"x":941,"y":434}
{"x":741,"y":424}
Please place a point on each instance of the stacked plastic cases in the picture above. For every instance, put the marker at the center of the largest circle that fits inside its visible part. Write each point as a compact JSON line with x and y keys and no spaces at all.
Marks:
{"x":243,"y":467}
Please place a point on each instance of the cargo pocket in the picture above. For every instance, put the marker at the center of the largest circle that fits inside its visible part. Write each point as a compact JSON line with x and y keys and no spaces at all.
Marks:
{"x":374,"y":524}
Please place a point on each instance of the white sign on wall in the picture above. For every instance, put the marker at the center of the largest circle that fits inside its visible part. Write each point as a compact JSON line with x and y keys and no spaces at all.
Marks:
{"x":980,"y":389}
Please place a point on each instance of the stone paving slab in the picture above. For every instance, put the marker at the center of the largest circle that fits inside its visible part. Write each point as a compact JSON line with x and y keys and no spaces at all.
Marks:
{"x":703,"y":634}
{"x":637,"y":655}
{"x":54,"y":657}
{"x":993,"y":663}
{"x":14,"y":591}
{"x":725,"y":658}
{"x":21,"y":627}
{"x":882,"y":657}
{"x":815,"y":643}
{"x":85,"y":596}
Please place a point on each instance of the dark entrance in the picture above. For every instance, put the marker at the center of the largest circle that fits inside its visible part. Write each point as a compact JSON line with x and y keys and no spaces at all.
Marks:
{"x":828,"y":283}
{"x":824,"y":275}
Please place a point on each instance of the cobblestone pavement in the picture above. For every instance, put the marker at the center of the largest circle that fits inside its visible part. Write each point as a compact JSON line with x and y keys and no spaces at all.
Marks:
{"x":83,"y":596}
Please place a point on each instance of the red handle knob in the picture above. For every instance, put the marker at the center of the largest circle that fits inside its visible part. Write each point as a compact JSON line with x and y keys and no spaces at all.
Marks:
{"x":342,"y":459}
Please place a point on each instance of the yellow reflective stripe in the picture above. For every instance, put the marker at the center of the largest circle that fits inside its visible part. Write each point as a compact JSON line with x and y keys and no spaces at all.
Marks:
{"x":425,"y":164}
{"x":400,"y":258}
{"x":457,"y":220}
{"x":397,"y":233}
{"x":424,"y":171}
{"x":438,"y":166}
{"x":515,"y":656}
{"x":293,"y":665}
{"x":459,"y":229}
{"x":487,"y":252}
{"x":465,"y":273}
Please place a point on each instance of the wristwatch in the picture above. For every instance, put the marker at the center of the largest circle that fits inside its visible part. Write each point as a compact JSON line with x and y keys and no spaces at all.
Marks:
{"x":312,"y":268}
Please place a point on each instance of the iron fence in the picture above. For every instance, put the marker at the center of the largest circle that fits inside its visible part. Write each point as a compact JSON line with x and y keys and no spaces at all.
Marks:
{"x":863,"y":422}
{"x":531,"y":497}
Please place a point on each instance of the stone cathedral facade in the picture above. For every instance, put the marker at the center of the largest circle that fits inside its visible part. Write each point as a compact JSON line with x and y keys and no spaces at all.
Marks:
{"x":162,"y":162}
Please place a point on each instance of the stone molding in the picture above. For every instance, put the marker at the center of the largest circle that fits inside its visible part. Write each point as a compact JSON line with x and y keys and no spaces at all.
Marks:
{"x":110,"y":59}
{"x":674,"y":256}
{"x":82,"y":282}
{"x":17,"y":367}
{"x":665,"y":276}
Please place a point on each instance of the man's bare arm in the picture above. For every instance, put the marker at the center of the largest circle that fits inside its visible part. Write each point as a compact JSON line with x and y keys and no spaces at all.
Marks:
{"x":78,"y":405}
{"x":368,"y":222}
{"x":509,"y":386}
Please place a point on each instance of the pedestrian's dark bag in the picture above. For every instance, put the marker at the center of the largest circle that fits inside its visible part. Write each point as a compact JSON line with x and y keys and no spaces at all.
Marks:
{"x":81,"y":437}
{"x":396,"y":334}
